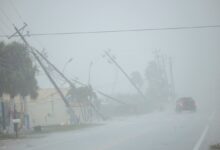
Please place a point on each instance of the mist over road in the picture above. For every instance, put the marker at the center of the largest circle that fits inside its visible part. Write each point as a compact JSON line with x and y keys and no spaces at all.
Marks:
{"x":156,"y":131}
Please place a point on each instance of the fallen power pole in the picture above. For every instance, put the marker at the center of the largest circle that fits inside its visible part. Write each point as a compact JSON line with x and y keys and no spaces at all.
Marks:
{"x":35,"y":52}
{"x":72,"y":114}
{"x":65,"y":78}
{"x":125,"y":74}
{"x":71,"y":83}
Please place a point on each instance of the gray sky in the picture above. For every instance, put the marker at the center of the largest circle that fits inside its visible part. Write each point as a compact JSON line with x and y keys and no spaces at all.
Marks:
{"x":195,"y":51}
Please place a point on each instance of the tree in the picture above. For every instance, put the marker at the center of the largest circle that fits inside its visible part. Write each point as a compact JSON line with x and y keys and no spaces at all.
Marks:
{"x":17,"y":75}
{"x":82,"y":95}
{"x":17,"y":71}
{"x":86,"y":98}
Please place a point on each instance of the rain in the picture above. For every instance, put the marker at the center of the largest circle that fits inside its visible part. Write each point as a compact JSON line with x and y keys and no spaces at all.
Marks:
{"x":109,"y":75}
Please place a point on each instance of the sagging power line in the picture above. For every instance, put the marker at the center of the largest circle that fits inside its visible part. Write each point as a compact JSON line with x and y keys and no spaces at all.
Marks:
{"x":17,"y":12}
{"x":6,"y":16}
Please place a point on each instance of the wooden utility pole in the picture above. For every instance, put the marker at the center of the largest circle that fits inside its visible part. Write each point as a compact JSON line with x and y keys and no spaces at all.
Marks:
{"x":33,"y":52}
{"x":78,"y":82}
{"x":126,"y":75}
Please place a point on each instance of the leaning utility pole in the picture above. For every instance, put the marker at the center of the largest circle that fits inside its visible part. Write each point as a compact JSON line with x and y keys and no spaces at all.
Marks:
{"x":70,"y":82}
{"x":78,"y":82}
{"x":65,"y":78}
{"x":72,"y":114}
{"x":126,"y":75}
{"x":35,"y":52}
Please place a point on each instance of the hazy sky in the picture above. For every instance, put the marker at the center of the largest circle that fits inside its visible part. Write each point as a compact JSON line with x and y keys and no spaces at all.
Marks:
{"x":195,"y":51}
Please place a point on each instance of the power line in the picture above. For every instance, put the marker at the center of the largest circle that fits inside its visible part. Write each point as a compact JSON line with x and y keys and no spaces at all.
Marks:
{"x":111,"y":58}
{"x":123,"y":30}
{"x":16,"y":10}
{"x":6,"y":16}
{"x":4,"y":24}
{"x":3,"y":31}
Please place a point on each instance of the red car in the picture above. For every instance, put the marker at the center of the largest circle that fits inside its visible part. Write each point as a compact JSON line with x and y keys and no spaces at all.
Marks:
{"x":185,"y":104}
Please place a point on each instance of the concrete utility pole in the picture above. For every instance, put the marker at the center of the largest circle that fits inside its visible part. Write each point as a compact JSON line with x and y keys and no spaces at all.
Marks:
{"x":172,"y":78}
{"x":126,"y":75}
{"x":64,"y":67}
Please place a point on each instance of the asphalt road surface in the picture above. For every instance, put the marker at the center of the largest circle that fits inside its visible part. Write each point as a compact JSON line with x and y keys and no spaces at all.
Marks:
{"x":155,"y":131}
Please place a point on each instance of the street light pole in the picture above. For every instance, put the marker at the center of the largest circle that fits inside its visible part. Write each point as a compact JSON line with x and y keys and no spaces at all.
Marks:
{"x":90,"y":68}
{"x":69,"y":61}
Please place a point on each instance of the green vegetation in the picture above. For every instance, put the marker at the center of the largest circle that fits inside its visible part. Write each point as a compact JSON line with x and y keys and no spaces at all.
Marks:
{"x":17,"y":71}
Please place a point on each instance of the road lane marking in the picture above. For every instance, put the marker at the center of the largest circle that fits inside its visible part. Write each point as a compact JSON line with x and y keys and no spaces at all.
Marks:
{"x":199,"y":142}
{"x":202,"y":137}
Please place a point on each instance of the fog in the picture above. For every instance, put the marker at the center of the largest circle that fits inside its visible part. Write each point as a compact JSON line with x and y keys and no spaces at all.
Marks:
{"x":194,"y":51}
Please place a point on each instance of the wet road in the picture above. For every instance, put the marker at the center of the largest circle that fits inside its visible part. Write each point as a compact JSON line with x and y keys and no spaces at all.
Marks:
{"x":156,"y":131}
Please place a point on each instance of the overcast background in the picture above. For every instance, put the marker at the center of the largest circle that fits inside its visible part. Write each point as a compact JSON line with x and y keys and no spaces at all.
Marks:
{"x":195,"y":52}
